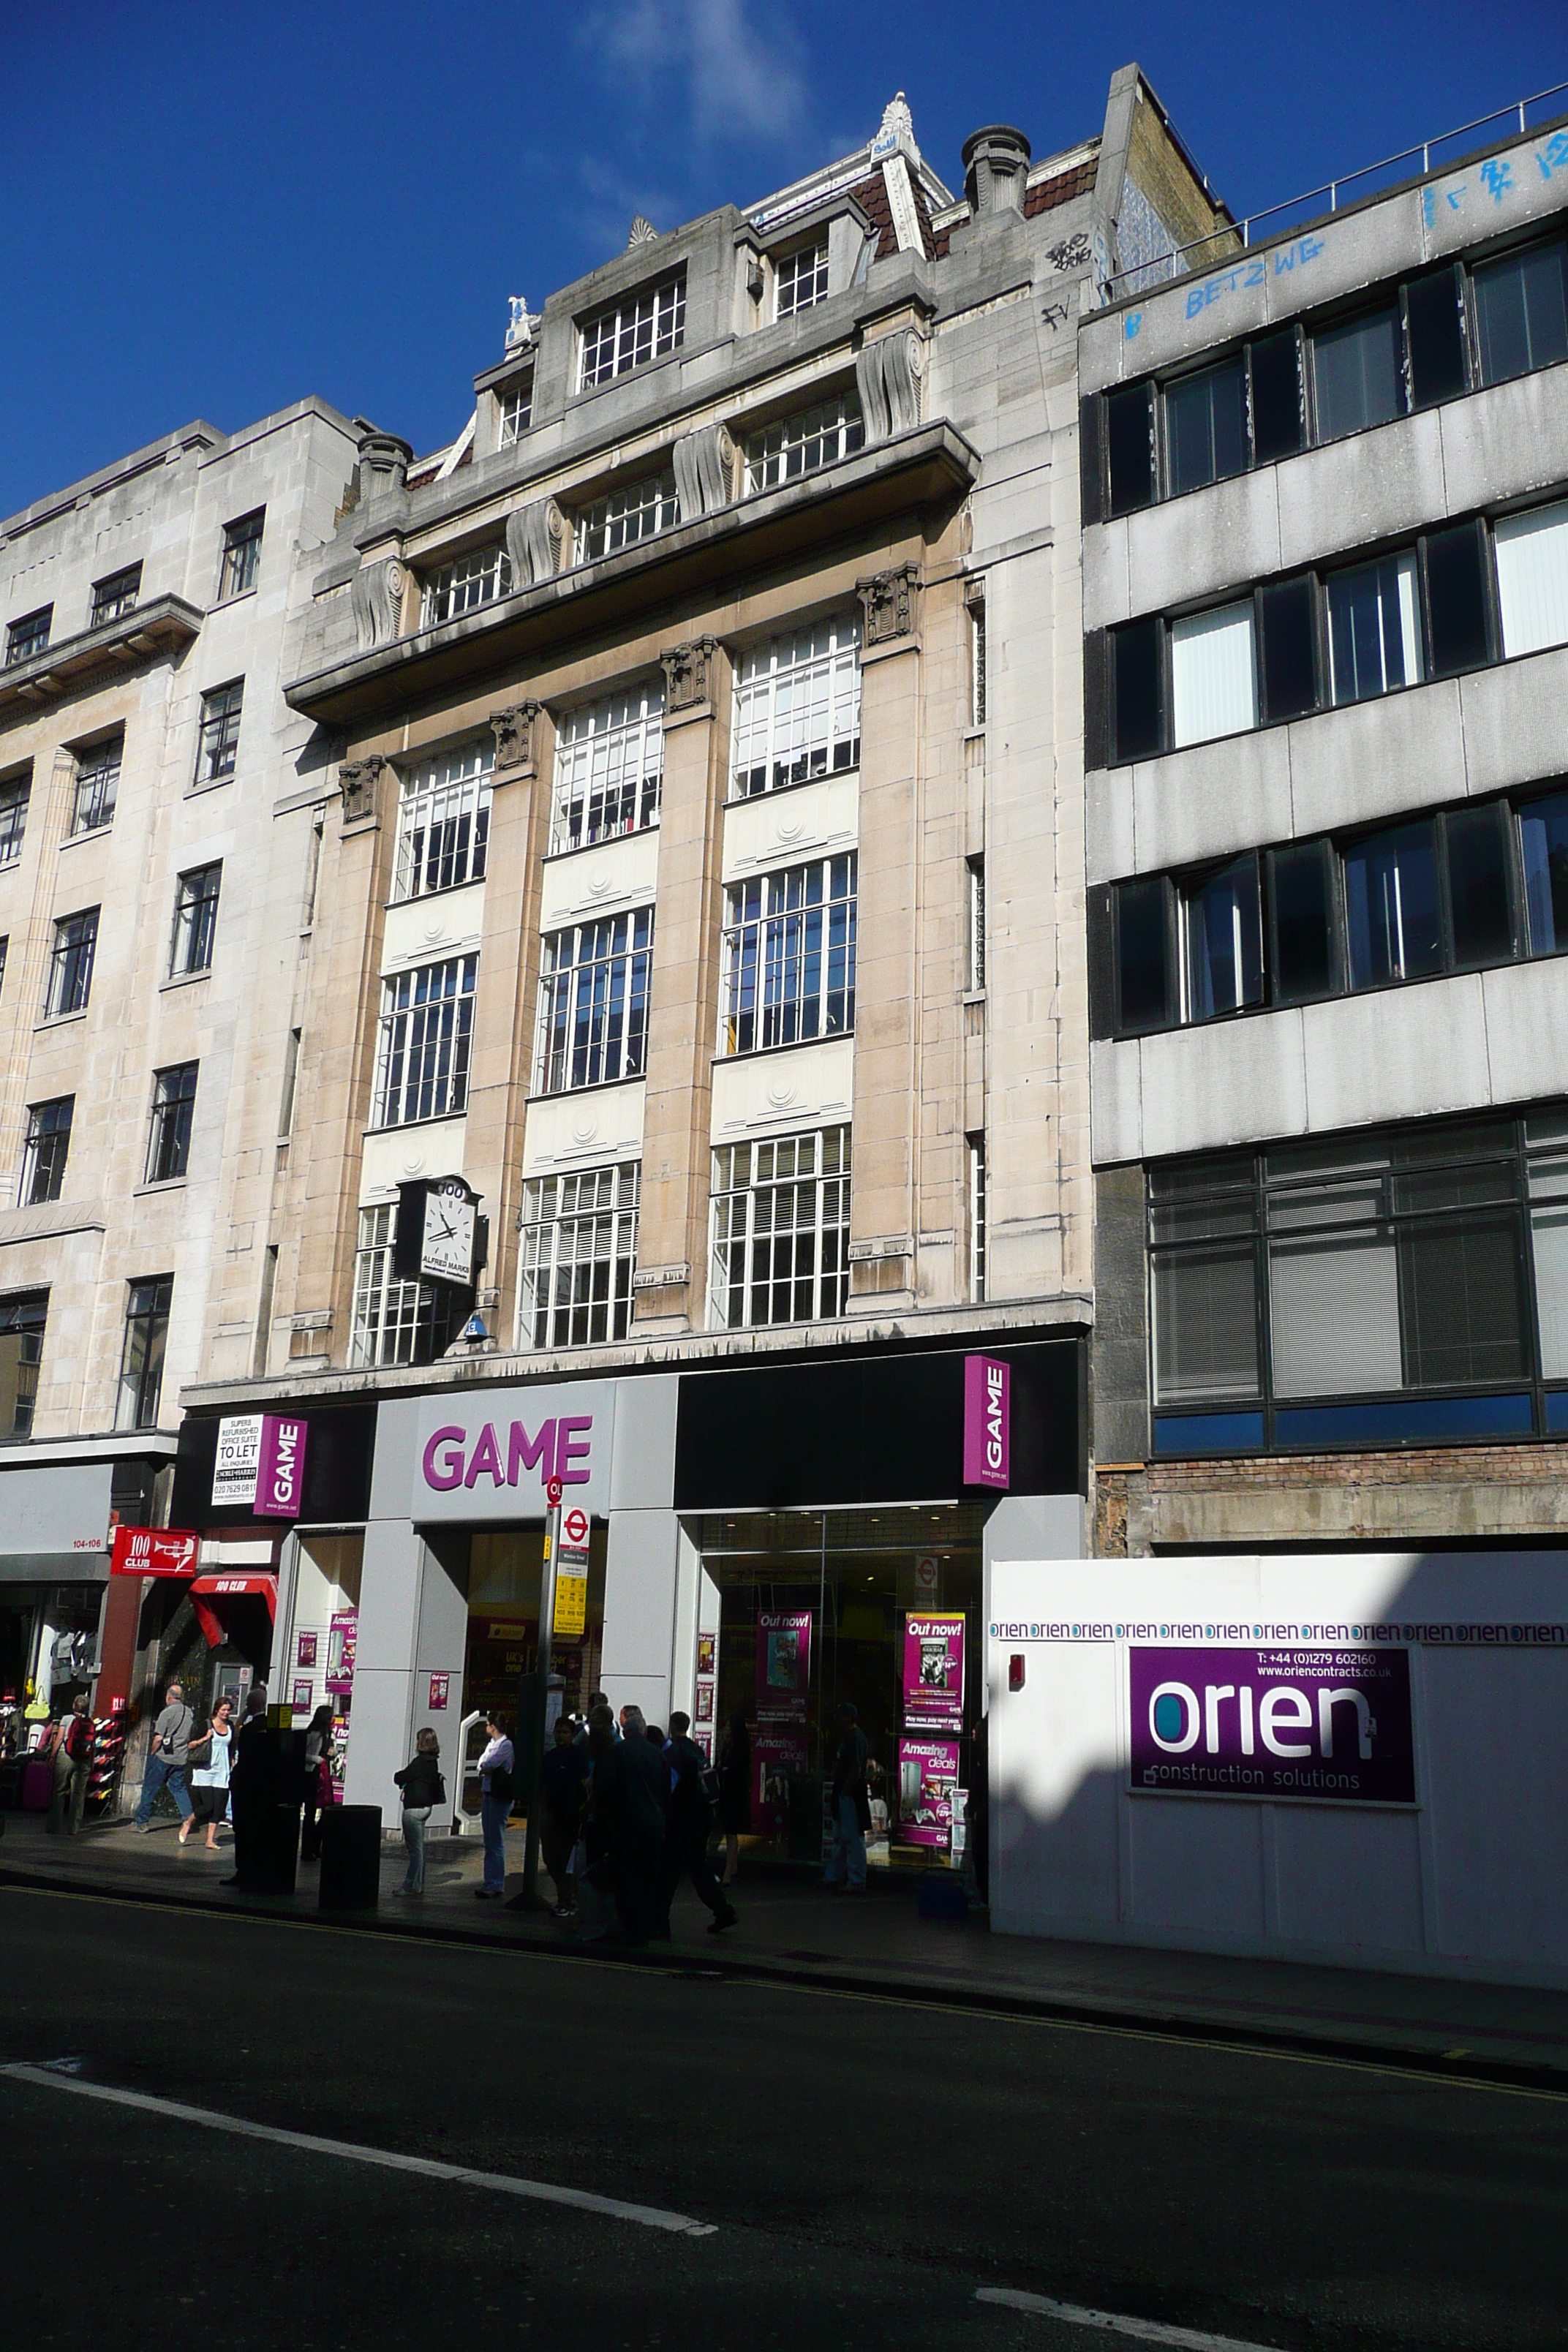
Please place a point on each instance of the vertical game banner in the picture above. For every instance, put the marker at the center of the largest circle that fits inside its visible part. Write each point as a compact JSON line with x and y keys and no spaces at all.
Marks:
{"x":259,"y":1464}
{"x":987,"y":1423}
{"x":933,"y":1672}
{"x":784,"y":1665}
{"x":928,"y":1777}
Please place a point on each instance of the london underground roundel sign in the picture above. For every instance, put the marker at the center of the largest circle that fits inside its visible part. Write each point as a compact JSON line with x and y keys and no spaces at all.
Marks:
{"x":575,"y":1526}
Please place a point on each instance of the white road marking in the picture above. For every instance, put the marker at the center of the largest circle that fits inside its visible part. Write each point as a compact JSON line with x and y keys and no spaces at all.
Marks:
{"x":1115,"y":2323}
{"x":544,"y":2192}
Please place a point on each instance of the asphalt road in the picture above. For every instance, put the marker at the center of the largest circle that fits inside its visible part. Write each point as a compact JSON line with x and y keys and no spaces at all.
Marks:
{"x":863,"y":2166}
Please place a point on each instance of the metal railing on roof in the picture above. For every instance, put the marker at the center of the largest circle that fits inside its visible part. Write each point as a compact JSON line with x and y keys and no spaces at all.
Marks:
{"x":1410,"y":163}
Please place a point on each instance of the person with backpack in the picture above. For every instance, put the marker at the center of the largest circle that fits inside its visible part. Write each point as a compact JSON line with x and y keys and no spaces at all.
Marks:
{"x":423,"y":1789}
{"x":168,"y":1759}
{"x":73,"y":1753}
{"x":497,"y":1766}
{"x":690,"y":1822}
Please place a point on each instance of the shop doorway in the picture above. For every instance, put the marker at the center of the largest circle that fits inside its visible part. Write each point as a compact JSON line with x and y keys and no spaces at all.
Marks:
{"x":881,"y":1608}
{"x":317,"y":1668}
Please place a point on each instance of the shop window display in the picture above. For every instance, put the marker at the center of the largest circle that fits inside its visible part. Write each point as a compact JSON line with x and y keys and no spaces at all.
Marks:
{"x":318,"y":1667}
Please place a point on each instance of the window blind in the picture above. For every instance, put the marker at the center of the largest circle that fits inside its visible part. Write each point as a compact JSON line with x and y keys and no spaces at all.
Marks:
{"x":1533,"y":579}
{"x":1212,"y":676}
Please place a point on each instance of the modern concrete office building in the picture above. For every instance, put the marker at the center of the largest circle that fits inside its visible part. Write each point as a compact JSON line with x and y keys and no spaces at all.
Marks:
{"x":1326,"y":650}
{"x":150,"y":898}
{"x":701,"y":885}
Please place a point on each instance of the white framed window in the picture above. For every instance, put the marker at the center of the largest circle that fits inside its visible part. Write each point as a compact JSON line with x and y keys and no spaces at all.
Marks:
{"x":623,"y":516}
{"x":797,"y":709}
{"x":800,"y":278}
{"x":97,"y":785}
{"x":788,"y":969}
{"x":780,"y":1224}
{"x":1214,"y":678}
{"x":114,"y":598}
{"x":475,"y":579}
{"x":800,"y":443}
{"x":592,"y":1003}
{"x":1533,"y":579}
{"x":609,"y":769}
{"x":577,"y":1257}
{"x":241,"y":554}
{"x":977,"y":1219}
{"x":426,"y":1031}
{"x":443,"y":822}
{"x":642,"y":326}
{"x":217,"y":740}
{"x":514,"y":407}
{"x":392,"y":1322}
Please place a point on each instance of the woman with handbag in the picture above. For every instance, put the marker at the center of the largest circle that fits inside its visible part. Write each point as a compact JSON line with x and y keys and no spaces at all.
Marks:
{"x":423,"y":1789}
{"x":210,"y":1780}
{"x":318,"y":1781}
{"x":497,"y":1766}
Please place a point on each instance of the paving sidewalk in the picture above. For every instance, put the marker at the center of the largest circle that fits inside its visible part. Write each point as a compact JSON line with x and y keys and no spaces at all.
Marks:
{"x":793,"y":1929}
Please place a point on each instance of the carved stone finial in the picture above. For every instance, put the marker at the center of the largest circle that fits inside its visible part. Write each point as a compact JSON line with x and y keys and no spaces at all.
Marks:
{"x":888,"y":603}
{"x":383,"y":461}
{"x":520,"y":333}
{"x":515,"y":734}
{"x":376,"y":597}
{"x":995,"y":165}
{"x":643,"y":232}
{"x":533,"y":538}
{"x":898,"y":130}
{"x":357,"y":780}
{"x":887,"y":375}
{"x":689,"y":674}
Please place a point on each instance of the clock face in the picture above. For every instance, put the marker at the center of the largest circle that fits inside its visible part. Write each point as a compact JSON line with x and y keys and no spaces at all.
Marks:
{"x":446,"y":1243}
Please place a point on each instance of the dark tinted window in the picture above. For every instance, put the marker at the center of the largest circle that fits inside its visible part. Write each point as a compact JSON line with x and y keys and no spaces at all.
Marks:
{"x":1304,"y":961}
{"x":1375,"y":629}
{"x":1205,"y":427}
{"x":1392,"y":924}
{"x":1460,"y":1301}
{"x":1137,"y":689}
{"x":1478,"y":885}
{"x":1435,"y":324}
{"x":1543,"y":846}
{"x":1278,"y":425}
{"x":1456,"y":599}
{"x":1130,"y":446}
{"x":1356,"y":374}
{"x":1289,"y":669}
{"x":1225,"y":940}
{"x":1521,"y":313}
{"x":1146,"y":993}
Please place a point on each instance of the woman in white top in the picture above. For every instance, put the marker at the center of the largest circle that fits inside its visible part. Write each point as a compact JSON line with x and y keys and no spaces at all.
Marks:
{"x":209,"y":1781}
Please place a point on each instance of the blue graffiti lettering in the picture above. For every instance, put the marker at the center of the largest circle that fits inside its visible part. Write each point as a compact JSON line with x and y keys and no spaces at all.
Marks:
{"x":1132,"y":324}
{"x":1498,"y":178}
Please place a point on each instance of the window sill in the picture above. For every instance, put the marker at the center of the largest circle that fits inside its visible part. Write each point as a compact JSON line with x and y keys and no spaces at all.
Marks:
{"x":794,"y":1046}
{"x":423,"y":897}
{"x":777,"y":792}
{"x":88,"y":833}
{"x":223,"y":603}
{"x":605,"y":841}
{"x":411,"y":1126}
{"x":185,"y":979}
{"x":974,"y":996}
{"x":208,"y":784}
{"x":594,"y":1086}
{"x":60,"y":1020}
{"x":163,"y":1185}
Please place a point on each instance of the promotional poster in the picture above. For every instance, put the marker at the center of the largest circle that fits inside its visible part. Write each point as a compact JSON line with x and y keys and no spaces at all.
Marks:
{"x":784,"y":1663}
{"x":1329,"y":1725}
{"x":343,"y":1636}
{"x":778,"y":1753}
{"x":933,"y":1672}
{"x":927,"y":1779}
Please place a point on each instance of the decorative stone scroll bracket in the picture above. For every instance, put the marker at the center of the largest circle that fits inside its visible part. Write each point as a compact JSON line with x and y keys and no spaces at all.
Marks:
{"x":688,"y":676}
{"x":377,"y":600}
{"x":704,"y":463}
{"x":534,"y":536}
{"x":887,"y":377}
{"x":516,"y":731}
{"x":357,"y":780}
{"x":888,"y":600}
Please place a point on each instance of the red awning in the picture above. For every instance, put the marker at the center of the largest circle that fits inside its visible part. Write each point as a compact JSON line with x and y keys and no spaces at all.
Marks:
{"x":205,"y":1589}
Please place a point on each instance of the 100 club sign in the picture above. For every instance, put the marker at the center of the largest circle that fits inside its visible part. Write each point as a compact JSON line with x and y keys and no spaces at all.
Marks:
{"x":1323,"y":1726}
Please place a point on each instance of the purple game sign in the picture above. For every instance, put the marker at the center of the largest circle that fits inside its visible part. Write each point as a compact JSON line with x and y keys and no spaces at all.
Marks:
{"x":986,"y":1400}
{"x":280,"y":1473}
{"x":1327,"y":1726}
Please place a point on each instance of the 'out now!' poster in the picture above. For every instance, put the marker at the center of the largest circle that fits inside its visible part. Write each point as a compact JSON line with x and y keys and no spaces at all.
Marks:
{"x":784,"y":1663}
{"x":933,"y":1672}
{"x":928,"y":1775}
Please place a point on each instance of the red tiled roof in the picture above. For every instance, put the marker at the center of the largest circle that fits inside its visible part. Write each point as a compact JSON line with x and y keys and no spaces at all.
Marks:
{"x":1048,"y":194}
{"x":871,"y":195}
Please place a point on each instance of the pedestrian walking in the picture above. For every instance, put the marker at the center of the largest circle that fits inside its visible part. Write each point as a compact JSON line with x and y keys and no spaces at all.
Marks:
{"x":211,"y":1778}
{"x":168,"y":1759}
{"x":73,"y":1753}
{"x":690,"y":1824}
{"x":564,"y":1793}
{"x":318,"y":1781}
{"x":630,"y":1785}
{"x":250,"y":1786}
{"x":497,"y":1766}
{"x":851,"y":1804}
{"x":423,"y":1789}
{"x":735,"y":1790}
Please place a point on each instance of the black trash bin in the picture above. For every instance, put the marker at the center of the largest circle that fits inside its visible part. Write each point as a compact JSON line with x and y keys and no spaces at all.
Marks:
{"x":351,"y":1857}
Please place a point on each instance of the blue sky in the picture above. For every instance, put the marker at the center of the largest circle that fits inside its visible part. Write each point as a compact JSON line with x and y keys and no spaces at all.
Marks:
{"x":214,"y":209}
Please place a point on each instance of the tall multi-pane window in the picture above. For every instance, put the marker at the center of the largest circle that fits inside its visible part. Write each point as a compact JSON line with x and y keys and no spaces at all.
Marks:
{"x":30,"y":635}
{"x":217,"y":743}
{"x":609,"y":769}
{"x":797,"y":709}
{"x":780,"y":1225}
{"x":114,"y":598}
{"x":788,"y":956}
{"x":97,"y":785}
{"x":69,"y":984}
{"x":475,"y":579}
{"x":977,"y":663}
{"x":800,"y":443}
{"x":23,"y":1316}
{"x":169,"y":1135}
{"x":592,"y":1003}
{"x":975,"y":871}
{"x":16,"y":793}
{"x":444,"y":822}
{"x":391,"y":1321}
{"x":632,"y":511}
{"x":142,"y":1355}
{"x":241,"y":554}
{"x":195,"y":921}
{"x":578,"y":1255}
{"x":515,"y":411}
{"x":426,"y":1031}
{"x":977,"y":1219}
{"x":642,"y":326}
{"x":43,"y":1153}
{"x":800,"y":278}
{"x":1375,"y":629}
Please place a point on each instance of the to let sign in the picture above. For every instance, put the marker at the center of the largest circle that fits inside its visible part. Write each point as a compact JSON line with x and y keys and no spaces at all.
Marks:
{"x":259,"y":1464}
{"x":986,"y":1422}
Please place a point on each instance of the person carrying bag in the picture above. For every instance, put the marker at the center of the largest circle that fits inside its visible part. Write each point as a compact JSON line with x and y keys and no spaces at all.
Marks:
{"x":423,"y":1789}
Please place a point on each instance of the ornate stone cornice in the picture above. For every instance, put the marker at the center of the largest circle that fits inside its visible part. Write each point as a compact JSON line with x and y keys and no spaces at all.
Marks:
{"x":888,"y":600}
{"x":516,"y":731}
{"x":689,"y":674}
